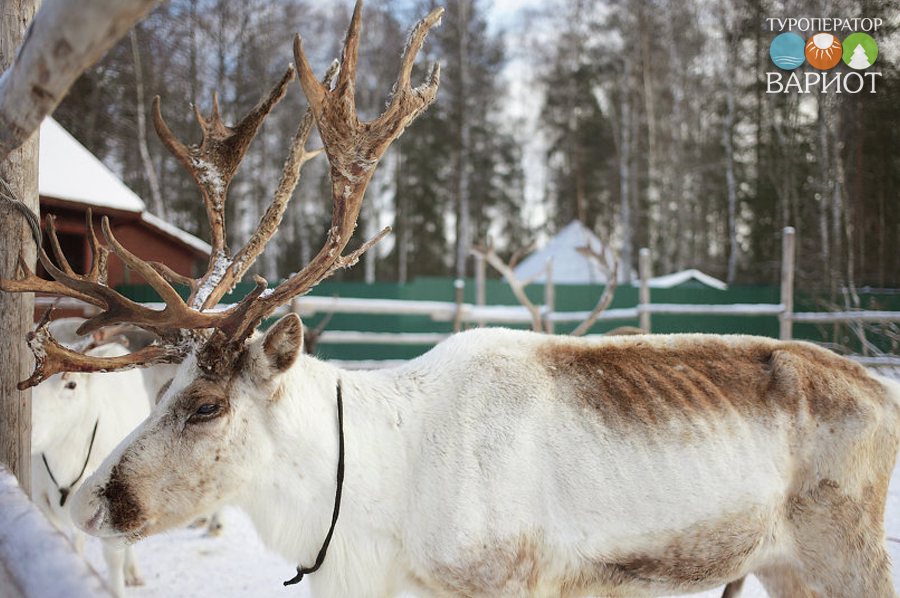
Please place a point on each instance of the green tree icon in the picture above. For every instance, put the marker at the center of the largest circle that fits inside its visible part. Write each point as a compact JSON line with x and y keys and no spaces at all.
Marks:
{"x":860,"y":51}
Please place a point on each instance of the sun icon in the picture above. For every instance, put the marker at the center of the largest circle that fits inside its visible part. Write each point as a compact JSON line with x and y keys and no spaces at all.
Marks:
{"x":823,"y":51}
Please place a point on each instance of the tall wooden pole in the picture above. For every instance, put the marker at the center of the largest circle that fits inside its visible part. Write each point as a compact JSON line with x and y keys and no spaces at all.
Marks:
{"x":20,"y":171}
{"x":645,"y":267}
{"x":785,"y":321}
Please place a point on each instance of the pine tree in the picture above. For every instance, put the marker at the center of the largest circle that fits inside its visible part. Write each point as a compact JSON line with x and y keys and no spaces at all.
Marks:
{"x":460,"y":165}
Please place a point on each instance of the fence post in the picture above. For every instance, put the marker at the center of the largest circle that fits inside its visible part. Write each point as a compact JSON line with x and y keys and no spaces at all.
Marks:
{"x":460,"y":285}
{"x":19,"y":169}
{"x":480,"y":278}
{"x":549,"y":299}
{"x":644,"y":296}
{"x":785,"y":319}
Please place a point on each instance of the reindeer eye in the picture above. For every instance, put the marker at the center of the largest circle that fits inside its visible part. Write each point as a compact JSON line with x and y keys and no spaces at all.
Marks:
{"x":71,"y":385}
{"x":205,"y":412}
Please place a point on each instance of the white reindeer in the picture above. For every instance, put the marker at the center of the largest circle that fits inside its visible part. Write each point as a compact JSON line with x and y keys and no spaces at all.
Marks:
{"x":77,"y":420}
{"x":511,"y":464}
{"x":501,"y":463}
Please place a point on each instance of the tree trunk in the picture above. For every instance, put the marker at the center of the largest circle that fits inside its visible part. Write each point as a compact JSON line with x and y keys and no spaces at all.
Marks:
{"x":462,"y":156}
{"x":728,"y":140}
{"x":625,"y":174}
{"x":20,"y":170}
{"x":157,"y":206}
{"x":66,"y":38}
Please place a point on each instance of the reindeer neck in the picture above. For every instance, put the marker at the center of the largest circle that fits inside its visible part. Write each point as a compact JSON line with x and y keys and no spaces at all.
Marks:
{"x":291,"y":502}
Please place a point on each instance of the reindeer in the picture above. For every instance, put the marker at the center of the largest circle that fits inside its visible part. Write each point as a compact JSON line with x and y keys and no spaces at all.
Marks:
{"x":501,"y":463}
{"x":77,"y":420}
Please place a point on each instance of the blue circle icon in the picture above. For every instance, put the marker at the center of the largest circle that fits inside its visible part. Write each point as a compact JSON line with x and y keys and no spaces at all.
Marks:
{"x":787,"y":51}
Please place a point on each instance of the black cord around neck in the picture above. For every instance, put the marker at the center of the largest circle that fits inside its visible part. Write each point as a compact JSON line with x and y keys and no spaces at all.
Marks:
{"x":301,"y":571}
{"x":64,"y":492}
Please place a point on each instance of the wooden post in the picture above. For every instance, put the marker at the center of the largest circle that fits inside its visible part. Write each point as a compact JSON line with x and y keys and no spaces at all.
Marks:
{"x":644,"y":294}
{"x":480,"y":283}
{"x":549,"y":299}
{"x":785,"y":320}
{"x":460,"y":286}
{"x":20,"y":171}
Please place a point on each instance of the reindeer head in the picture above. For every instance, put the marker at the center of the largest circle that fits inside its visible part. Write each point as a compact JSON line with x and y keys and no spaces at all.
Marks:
{"x":188,"y":456}
{"x":206,"y":438}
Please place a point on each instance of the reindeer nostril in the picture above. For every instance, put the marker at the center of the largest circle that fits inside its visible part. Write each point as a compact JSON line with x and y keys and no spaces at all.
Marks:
{"x":93,"y":525}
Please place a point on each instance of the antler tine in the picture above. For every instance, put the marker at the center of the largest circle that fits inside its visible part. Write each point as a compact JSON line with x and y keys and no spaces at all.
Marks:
{"x":52,"y":358}
{"x":147,"y":272}
{"x":50,"y":223}
{"x":172,"y":276}
{"x":168,"y":323}
{"x":486,"y":251}
{"x":28,"y":282}
{"x":268,"y":225}
{"x":414,"y":43}
{"x":346,"y":80}
{"x":514,"y":260}
{"x":117,"y":308}
{"x":99,"y":253}
{"x":214,"y":162}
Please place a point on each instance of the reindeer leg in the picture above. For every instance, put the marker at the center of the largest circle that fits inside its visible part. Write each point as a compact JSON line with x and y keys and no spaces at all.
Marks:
{"x":214,"y":527}
{"x":114,"y":556}
{"x":783,"y":582}
{"x":733,"y":589}
{"x":133,"y":575}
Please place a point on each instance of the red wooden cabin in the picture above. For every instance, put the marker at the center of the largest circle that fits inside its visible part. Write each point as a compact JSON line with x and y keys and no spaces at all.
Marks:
{"x":72,"y":180}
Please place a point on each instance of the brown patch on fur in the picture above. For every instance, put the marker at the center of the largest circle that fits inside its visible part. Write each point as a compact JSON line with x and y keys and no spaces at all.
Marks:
{"x":509,"y":569}
{"x":203,"y":391}
{"x":634,"y":381}
{"x":690,"y":560}
{"x":706,"y":554}
{"x":125,"y":512}
{"x":624,"y":331}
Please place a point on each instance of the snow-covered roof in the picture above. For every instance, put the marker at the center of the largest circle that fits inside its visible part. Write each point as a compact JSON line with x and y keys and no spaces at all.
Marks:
{"x":173,"y":231}
{"x":67,"y":170}
{"x":569,"y":266}
{"x":673,"y":280}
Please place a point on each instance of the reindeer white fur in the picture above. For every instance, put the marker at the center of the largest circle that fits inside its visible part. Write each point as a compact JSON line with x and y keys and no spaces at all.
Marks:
{"x":65,"y":410}
{"x":511,"y":464}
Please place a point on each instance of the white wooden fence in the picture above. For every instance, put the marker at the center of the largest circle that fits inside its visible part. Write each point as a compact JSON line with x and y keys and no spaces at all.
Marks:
{"x":478,"y":314}
{"x":36,"y":561}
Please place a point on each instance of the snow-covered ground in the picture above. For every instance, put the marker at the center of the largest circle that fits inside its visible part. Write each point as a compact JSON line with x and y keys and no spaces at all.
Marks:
{"x":186,"y":563}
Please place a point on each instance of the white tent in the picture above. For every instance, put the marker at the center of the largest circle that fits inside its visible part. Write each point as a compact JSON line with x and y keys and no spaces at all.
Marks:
{"x":569,"y":266}
{"x":685,"y":276}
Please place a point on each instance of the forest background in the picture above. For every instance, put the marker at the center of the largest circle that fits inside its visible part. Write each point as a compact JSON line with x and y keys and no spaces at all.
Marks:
{"x":647,"y":120}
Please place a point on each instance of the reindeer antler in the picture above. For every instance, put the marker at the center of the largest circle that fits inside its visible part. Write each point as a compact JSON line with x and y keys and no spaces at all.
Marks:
{"x":353,"y":150}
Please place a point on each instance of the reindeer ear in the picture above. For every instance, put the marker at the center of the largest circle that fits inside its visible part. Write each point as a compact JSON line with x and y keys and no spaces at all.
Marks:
{"x":283,"y":342}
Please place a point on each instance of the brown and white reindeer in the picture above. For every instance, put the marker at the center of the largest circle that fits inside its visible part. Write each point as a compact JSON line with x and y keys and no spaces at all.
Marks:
{"x":501,"y":463}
